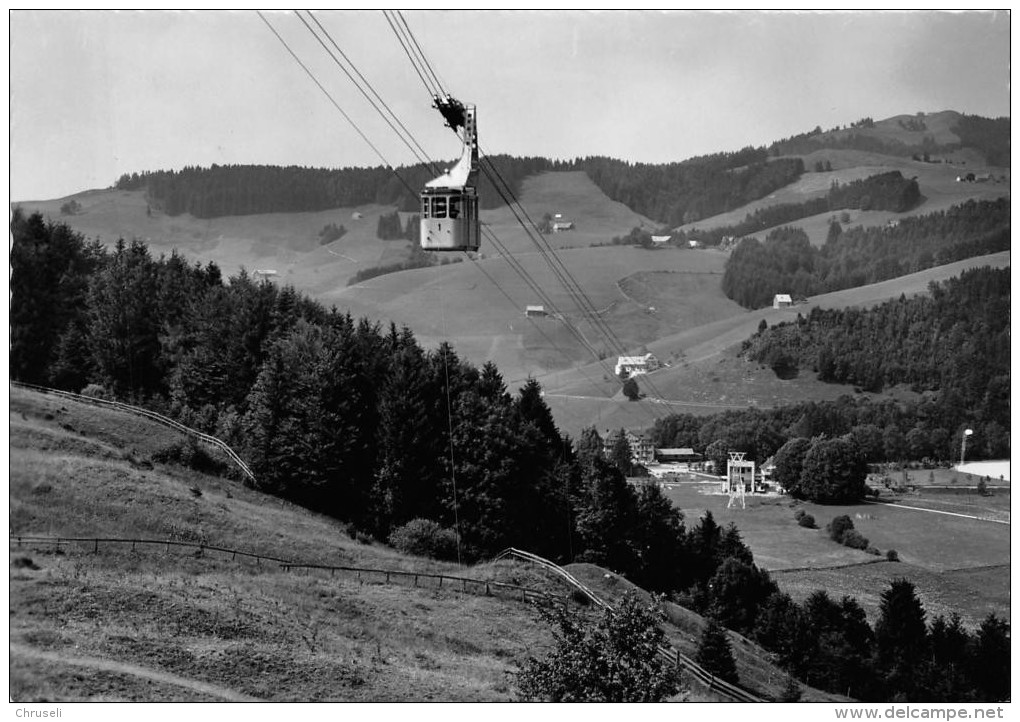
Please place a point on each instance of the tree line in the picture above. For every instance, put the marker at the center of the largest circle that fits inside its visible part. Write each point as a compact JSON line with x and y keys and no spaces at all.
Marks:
{"x":229,"y":190}
{"x":884,"y":191}
{"x":685,"y":192}
{"x":883,"y":431}
{"x":786,"y":262}
{"x":673,"y":193}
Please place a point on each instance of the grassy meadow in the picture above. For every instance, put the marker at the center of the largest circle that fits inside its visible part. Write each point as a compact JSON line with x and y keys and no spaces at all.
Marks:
{"x":958,"y":564}
{"x":177,"y":624}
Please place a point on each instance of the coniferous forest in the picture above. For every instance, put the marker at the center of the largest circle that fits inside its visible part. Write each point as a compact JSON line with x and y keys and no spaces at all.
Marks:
{"x":416,"y":446}
{"x":787,"y":262}
{"x":672,"y":193}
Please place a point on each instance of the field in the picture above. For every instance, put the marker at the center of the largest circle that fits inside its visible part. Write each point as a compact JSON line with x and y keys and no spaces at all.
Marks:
{"x":958,"y":564}
{"x":115,"y":623}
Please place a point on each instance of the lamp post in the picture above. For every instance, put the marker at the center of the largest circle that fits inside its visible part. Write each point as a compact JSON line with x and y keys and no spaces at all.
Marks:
{"x":963,"y":445}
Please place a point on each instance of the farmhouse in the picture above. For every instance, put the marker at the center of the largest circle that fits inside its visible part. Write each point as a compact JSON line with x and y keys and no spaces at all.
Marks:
{"x":635,"y":365}
{"x":534,"y":311}
{"x":562,"y":225}
{"x":782,"y":300}
{"x":694,"y":244}
{"x":661,"y":240}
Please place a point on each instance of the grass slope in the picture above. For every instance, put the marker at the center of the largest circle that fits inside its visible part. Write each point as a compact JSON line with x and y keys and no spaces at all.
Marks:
{"x":159,"y":625}
{"x":937,"y":181}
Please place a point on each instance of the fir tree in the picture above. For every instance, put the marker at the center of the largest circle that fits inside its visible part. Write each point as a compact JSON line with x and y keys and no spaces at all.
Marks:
{"x":714,"y":652}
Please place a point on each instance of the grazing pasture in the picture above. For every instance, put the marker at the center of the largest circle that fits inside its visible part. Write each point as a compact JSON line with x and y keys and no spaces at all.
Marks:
{"x":959,"y":564}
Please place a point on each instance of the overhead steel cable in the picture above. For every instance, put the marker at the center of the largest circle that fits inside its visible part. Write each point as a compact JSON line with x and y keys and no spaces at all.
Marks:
{"x":514,"y":264}
{"x":430,"y":89}
{"x":538,"y":328}
{"x":574,"y":287}
{"x":404,"y":134}
{"x":570,"y":284}
{"x":331,"y":100}
{"x":573,"y":290}
{"x":421,"y":53}
{"x":423,"y":158}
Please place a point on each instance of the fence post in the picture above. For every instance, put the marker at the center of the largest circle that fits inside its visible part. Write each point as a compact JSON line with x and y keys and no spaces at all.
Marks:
{"x":440,"y":581}
{"x":19,"y":542}
{"x":387,"y":577}
{"x":233,"y":555}
{"x":132,"y":545}
{"x":96,"y":549}
{"x":486,"y":589}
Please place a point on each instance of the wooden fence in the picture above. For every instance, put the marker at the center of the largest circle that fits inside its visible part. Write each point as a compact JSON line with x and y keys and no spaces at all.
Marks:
{"x":152,"y":415}
{"x":362,"y":574}
{"x":666,"y":652}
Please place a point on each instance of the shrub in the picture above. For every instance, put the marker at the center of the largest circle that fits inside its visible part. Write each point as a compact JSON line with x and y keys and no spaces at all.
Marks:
{"x":838,"y":527}
{"x":892,"y":556}
{"x":799,"y":514}
{"x":23,"y":563}
{"x":855,"y":540}
{"x":425,"y":538}
{"x":188,"y":453}
{"x":96,"y":391}
{"x":807,"y":521}
{"x":873,"y":551}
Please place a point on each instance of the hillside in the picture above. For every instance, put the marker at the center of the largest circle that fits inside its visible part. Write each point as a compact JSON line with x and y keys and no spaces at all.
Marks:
{"x":668,"y":300}
{"x":705,"y":374}
{"x":155,"y":625}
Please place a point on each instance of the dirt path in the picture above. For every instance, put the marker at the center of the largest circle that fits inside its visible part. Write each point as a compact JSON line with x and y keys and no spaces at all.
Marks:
{"x":108,"y":665}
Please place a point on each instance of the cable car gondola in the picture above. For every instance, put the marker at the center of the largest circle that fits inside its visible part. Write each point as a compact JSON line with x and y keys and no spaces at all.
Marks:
{"x":449,"y":203}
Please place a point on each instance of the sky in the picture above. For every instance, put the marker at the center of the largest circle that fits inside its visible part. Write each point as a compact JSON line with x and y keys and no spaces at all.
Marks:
{"x":95,"y":94}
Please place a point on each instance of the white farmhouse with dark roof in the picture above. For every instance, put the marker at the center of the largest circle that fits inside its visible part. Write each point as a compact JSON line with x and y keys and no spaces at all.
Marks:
{"x":635,"y":365}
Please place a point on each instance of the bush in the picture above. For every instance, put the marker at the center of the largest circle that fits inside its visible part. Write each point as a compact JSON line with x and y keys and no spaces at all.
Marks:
{"x":96,"y":391}
{"x":838,"y":527}
{"x":425,"y":538}
{"x":807,"y":521}
{"x":873,"y":551}
{"x":799,"y":514}
{"x":892,"y":556}
{"x":855,"y":540}
{"x":188,"y":453}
